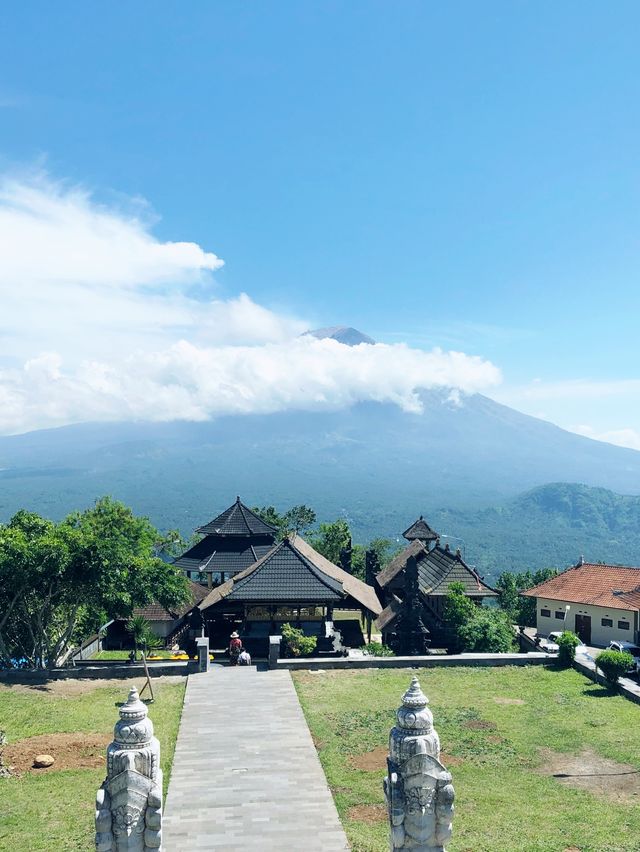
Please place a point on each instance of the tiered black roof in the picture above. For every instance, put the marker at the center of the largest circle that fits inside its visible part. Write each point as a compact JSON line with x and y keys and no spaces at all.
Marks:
{"x":293,"y":572}
{"x":437,"y":569}
{"x":228,"y":557}
{"x":237,"y":520}
{"x":234,"y":540}
{"x":420,"y":530}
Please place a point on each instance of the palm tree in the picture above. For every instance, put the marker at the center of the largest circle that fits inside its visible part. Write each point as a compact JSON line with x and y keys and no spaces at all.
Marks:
{"x":138,"y":627}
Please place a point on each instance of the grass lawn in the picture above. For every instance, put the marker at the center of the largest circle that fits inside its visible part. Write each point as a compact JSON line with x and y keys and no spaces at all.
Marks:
{"x":492,"y":725}
{"x":54,"y":809}
{"x":124,"y":655}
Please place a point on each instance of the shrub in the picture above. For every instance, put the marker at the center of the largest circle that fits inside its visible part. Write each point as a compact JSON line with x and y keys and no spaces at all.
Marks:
{"x":567,"y":644}
{"x":297,"y":643}
{"x":377,"y":649}
{"x":488,"y":631}
{"x":614,"y":664}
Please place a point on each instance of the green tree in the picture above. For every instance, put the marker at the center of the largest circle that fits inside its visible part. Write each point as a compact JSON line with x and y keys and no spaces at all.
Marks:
{"x":510,"y":586}
{"x":458,"y":608}
{"x":331,"y":539}
{"x":56,"y":579}
{"x":487,"y":631}
{"x":294,"y":520}
{"x":298,"y":518}
{"x":270,"y":515}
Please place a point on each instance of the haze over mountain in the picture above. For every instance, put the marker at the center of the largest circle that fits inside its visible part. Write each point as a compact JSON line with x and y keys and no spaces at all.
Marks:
{"x":461,"y":463}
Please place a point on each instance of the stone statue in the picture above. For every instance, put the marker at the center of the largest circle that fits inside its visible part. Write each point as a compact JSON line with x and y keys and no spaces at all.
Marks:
{"x":129,"y":803}
{"x":418,"y":788}
{"x":413,"y":636}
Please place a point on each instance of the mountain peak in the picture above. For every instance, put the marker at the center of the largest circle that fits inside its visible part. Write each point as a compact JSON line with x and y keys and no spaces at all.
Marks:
{"x":343,"y":334}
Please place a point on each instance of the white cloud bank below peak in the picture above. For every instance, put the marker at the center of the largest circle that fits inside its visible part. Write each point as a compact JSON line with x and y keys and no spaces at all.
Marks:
{"x":101,"y":320}
{"x":197,"y":383}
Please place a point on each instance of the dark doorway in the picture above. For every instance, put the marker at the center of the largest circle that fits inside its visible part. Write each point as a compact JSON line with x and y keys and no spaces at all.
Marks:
{"x":583,"y":628}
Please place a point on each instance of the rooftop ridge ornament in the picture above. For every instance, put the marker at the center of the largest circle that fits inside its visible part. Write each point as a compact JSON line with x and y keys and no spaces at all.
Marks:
{"x":417,"y":788}
{"x":129,"y":802}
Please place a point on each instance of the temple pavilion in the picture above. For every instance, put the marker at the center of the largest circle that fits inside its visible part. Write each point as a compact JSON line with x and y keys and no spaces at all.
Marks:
{"x":234,"y":540}
{"x":292,"y":583}
{"x":434,"y":568}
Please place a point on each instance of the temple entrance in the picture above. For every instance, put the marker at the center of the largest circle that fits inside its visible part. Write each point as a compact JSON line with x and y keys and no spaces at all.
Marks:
{"x":583,"y":628}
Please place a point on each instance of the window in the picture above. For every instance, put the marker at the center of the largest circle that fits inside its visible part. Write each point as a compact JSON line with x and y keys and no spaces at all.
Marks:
{"x":606,"y":622}
{"x":545,"y":613}
{"x":559,"y":613}
{"x":623,"y":625}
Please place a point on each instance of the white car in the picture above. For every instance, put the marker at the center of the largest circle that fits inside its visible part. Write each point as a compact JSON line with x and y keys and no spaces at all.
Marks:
{"x":549,"y":643}
{"x":630,"y":648}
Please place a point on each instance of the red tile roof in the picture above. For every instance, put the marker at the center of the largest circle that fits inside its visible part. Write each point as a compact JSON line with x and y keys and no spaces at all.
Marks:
{"x":610,"y":586}
{"x":155,"y":612}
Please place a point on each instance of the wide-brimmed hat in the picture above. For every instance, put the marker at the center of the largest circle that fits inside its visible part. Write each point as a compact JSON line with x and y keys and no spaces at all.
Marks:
{"x":234,"y":635}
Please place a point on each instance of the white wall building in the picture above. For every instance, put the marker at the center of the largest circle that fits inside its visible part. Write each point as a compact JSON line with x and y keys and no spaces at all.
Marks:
{"x":598,"y":602}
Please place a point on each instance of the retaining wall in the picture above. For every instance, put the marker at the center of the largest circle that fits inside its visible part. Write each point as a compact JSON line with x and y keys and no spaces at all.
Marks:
{"x":429,"y":661}
{"x":126,"y":670}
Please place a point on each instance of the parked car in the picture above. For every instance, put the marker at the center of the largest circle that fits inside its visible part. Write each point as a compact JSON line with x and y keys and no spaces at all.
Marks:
{"x":548,"y":643}
{"x":630,"y":648}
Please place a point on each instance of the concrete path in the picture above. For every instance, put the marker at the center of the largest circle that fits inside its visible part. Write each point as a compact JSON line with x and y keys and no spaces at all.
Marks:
{"x":585,"y":662}
{"x":246,"y":775}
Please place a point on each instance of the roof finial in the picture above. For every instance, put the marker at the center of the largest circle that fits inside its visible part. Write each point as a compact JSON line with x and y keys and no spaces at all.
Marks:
{"x":238,"y":499}
{"x":581,"y":562}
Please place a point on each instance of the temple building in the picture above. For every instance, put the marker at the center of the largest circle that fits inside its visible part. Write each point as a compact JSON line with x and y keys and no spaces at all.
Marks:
{"x":414,"y":586}
{"x":292,"y":583}
{"x":234,"y":540}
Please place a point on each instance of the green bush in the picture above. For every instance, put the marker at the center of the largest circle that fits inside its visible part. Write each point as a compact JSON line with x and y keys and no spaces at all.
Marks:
{"x":296,"y":642}
{"x":488,"y":631}
{"x":567,"y":644}
{"x":614,"y":664}
{"x":377,"y":649}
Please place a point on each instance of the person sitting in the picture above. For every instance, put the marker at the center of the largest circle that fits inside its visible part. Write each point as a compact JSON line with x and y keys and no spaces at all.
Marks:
{"x":244,"y":658}
{"x":235,"y":647}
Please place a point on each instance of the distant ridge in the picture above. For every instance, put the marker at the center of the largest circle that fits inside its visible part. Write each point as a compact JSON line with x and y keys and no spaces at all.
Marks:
{"x":465,"y":466}
{"x":343,"y":334}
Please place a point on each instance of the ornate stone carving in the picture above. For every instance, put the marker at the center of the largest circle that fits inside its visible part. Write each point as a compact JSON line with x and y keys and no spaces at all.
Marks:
{"x":129,"y":803}
{"x":418,"y":788}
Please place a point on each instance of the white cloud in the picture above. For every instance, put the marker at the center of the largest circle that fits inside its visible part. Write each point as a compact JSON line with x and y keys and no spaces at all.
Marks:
{"x":599,"y":407}
{"x":629,"y":438}
{"x":101,"y":320}
{"x":196,"y":383}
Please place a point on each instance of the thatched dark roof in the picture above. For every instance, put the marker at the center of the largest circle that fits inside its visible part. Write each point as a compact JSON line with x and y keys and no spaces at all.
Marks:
{"x":237,"y":520}
{"x":420,"y":530}
{"x":155,"y":612}
{"x":293,"y":572}
{"x":228,"y":555}
{"x":437,"y":569}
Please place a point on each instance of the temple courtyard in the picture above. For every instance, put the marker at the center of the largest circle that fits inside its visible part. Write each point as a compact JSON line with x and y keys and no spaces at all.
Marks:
{"x":542,"y":760}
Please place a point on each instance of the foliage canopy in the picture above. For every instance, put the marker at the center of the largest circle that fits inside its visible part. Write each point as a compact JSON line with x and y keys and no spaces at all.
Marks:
{"x":60,"y":581}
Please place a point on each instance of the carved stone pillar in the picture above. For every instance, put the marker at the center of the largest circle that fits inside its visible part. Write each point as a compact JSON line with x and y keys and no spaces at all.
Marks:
{"x":418,"y":788}
{"x":129,"y":803}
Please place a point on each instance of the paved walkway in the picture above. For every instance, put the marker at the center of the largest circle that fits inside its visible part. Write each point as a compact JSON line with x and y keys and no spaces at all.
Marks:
{"x":585,"y":657}
{"x":246,"y":775}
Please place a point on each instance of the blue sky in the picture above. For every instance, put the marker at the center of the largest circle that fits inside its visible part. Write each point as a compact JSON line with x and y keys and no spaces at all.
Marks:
{"x":461,"y":175}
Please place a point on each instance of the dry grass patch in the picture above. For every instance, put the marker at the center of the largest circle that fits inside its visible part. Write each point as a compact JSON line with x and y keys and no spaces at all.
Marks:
{"x":73,"y":687}
{"x":501,"y":700}
{"x":617,"y":782}
{"x":371,"y":761}
{"x":70,"y":751}
{"x":367,"y":813}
